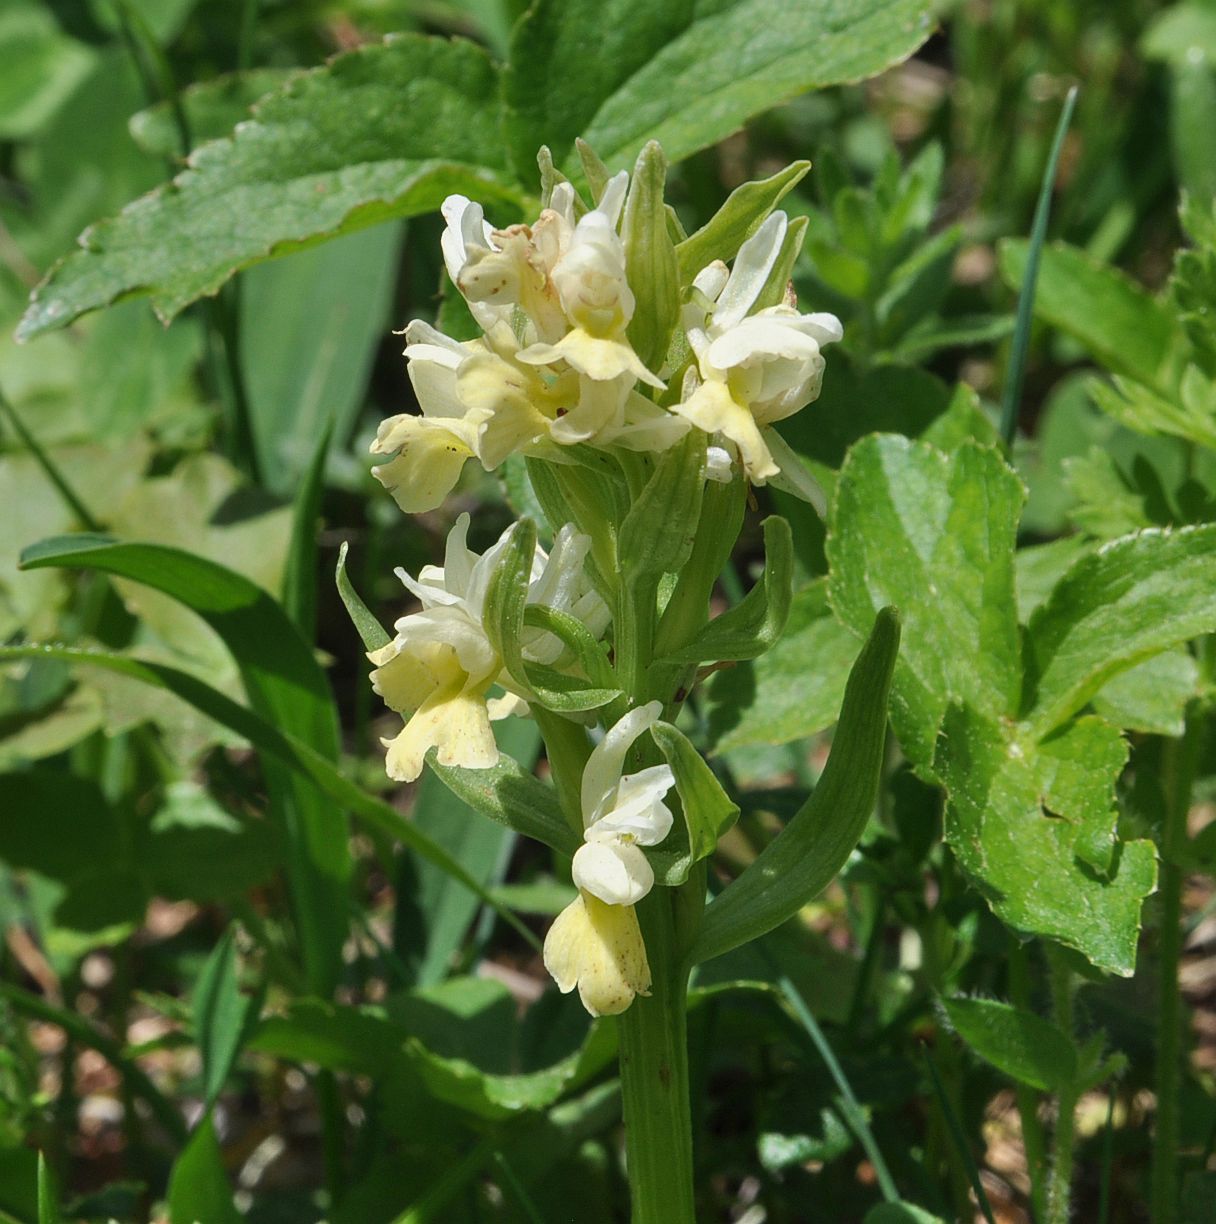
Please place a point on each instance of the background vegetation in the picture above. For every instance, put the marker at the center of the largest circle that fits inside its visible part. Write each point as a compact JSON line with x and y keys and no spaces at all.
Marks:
{"x":213,"y":1003}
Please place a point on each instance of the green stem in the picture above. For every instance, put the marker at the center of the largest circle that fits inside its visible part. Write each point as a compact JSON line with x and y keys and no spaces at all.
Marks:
{"x":1063,"y":1140}
{"x":1179,"y":770}
{"x":654,"y":1078}
{"x":1032,"y":1128}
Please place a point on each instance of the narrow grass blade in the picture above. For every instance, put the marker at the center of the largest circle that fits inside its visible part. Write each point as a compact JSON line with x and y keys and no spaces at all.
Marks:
{"x":300,"y":575}
{"x":849,"y":1106}
{"x":1038,"y":233}
{"x":71,"y":498}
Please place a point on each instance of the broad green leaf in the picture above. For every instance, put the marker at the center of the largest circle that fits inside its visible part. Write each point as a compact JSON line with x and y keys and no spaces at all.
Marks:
{"x":1024,"y":1046}
{"x":386,"y":130}
{"x":792,"y":690}
{"x":1134,"y":598}
{"x":57,"y":824}
{"x":1033,"y":825}
{"x":1120,"y":324}
{"x":285,"y":685}
{"x":1152,"y":696}
{"x":497,"y":1097}
{"x":730,"y":227}
{"x":338,"y":1037}
{"x":1183,"y":33}
{"x":686,"y":74}
{"x":221,"y":1015}
{"x":213,"y":108}
{"x":1185,"y":413}
{"x":756,"y":622}
{"x":805,"y":856}
{"x":708,"y":810}
{"x":310,"y":328}
{"x":198,"y":1185}
{"x":42,"y":66}
{"x":934,"y":535}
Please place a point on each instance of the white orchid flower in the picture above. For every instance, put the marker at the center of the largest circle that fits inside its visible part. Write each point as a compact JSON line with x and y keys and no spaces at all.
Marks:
{"x":438,"y":669}
{"x":477,"y":400}
{"x":594,"y":293}
{"x":499,"y":270}
{"x":752,"y":369}
{"x":599,"y":949}
{"x":596,"y":943}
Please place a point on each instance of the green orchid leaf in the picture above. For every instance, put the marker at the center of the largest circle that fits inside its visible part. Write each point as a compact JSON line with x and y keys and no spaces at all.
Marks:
{"x":507,"y":794}
{"x":657,"y":534}
{"x":792,"y":690}
{"x":1119,"y":323}
{"x":589,"y":654}
{"x":285,"y":686}
{"x":934,"y":534}
{"x":685,"y":74}
{"x":1027,"y":1048}
{"x":1033,"y":826}
{"x":1134,"y":598}
{"x":507,"y":596}
{"x":648,"y":246}
{"x":386,"y":130}
{"x":806,"y":855}
{"x":734,"y":223}
{"x":757,"y":621}
{"x":708,"y":810}
{"x":369,"y":628}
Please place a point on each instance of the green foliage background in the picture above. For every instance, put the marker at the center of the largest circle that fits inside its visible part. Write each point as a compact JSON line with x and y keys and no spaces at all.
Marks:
{"x":246,"y":979}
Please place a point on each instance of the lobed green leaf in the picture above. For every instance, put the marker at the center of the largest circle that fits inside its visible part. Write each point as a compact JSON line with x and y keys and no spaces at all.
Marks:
{"x":1027,"y":1048}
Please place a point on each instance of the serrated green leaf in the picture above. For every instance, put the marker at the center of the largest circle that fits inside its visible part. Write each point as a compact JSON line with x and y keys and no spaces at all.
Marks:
{"x":686,"y":74}
{"x":213,"y":108}
{"x":1032,"y":825}
{"x":708,"y":810}
{"x":1132,"y":599}
{"x":1120,"y":324}
{"x":1152,"y":696}
{"x":387,"y":130}
{"x":792,"y":690}
{"x":933,"y":534}
{"x":804,"y":857}
{"x":1024,"y":1046}
{"x":730,"y":227}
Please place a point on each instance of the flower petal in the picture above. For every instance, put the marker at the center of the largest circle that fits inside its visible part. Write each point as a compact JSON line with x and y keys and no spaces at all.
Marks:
{"x":602,"y":773}
{"x":428,"y":466}
{"x":599,"y":949}
{"x":752,"y":265}
{"x":711,"y":407}
{"x":615,"y":872}
{"x":454,"y":722}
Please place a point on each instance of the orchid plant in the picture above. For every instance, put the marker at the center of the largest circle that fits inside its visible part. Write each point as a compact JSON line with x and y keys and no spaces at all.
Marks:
{"x":637,"y":373}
